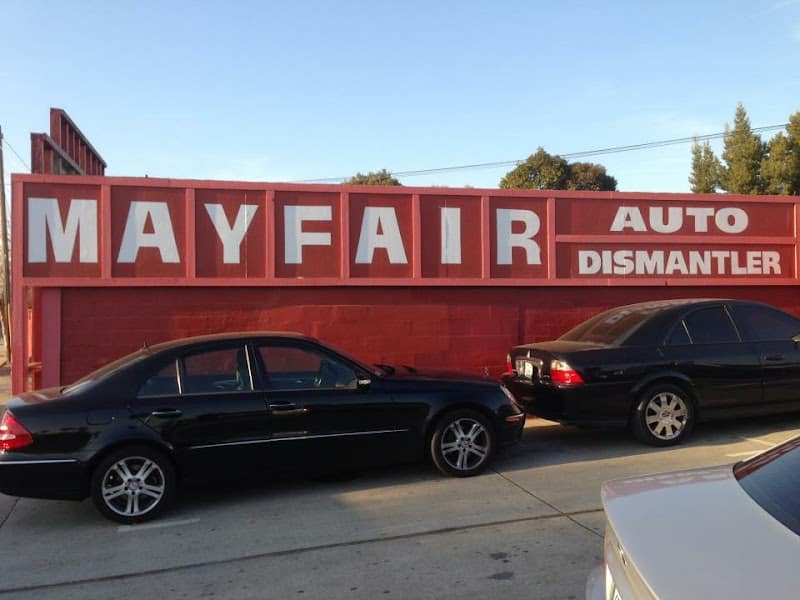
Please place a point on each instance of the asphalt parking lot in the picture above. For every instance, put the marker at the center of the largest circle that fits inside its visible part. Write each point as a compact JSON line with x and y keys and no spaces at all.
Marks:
{"x":529,"y":528}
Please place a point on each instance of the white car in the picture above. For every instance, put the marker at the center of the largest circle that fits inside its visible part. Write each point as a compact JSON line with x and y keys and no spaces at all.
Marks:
{"x":723,"y":532}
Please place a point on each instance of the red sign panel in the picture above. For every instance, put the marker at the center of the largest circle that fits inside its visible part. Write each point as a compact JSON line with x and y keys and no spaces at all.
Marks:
{"x":108,"y":231}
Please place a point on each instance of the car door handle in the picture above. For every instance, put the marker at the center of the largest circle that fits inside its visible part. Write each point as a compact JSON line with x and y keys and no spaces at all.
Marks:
{"x":774,"y":357}
{"x":286,"y":407}
{"x":166,"y":413}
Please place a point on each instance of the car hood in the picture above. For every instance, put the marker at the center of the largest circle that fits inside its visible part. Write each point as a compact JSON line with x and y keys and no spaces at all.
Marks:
{"x":697,"y":534}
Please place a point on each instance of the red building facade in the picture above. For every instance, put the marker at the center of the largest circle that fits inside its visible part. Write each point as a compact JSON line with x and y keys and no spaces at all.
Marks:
{"x":438,"y":276}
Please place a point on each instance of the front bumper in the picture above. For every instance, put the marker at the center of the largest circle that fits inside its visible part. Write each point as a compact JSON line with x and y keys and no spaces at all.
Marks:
{"x":596,"y":584}
{"x":510,"y":429}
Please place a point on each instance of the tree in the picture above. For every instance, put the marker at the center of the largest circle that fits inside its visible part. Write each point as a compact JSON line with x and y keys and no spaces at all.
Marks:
{"x":543,"y":171}
{"x":706,"y":169}
{"x":743,"y":154}
{"x":382,"y":177}
{"x":776,"y":166}
{"x":780,"y":170}
{"x":590,"y":176}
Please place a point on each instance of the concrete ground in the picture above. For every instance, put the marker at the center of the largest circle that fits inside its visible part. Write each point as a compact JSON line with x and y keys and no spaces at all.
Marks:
{"x":529,"y":528}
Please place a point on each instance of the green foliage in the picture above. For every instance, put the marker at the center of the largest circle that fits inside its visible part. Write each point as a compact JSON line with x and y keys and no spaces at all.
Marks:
{"x":706,"y":169}
{"x":382,"y":177}
{"x":590,"y":176}
{"x":780,"y":170}
{"x":543,"y":171}
{"x":776,"y":167}
{"x":743,"y":154}
{"x":751,"y":166}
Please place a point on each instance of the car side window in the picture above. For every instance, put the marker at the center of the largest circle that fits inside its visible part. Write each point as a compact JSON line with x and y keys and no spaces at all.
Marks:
{"x":679,"y":336}
{"x":293,"y":368}
{"x":711,"y":326}
{"x":762,"y":324}
{"x":216,"y":371}
{"x":162,"y":383}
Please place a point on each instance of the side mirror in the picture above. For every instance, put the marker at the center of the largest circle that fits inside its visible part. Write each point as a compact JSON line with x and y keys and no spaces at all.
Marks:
{"x":796,"y":339}
{"x":363,"y":384}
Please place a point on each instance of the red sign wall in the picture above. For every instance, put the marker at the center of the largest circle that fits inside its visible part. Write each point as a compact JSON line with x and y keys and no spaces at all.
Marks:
{"x":100,"y":231}
{"x":418,"y":276}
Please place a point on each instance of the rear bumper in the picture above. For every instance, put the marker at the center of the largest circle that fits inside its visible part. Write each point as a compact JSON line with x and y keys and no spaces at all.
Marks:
{"x":42,"y":477}
{"x":580,"y":405}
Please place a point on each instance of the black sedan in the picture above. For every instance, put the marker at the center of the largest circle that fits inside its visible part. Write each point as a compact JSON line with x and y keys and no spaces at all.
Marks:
{"x":253,"y":402}
{"x":658,"y":367}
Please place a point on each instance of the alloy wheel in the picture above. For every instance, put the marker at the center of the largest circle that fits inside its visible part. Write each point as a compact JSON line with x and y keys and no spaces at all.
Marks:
{"x":133,"y":486}
{"x":465,"y":444}
{"x":666,"y":415}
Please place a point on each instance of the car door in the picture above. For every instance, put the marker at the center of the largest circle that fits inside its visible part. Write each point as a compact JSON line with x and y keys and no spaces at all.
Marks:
{"x":204,"y":404}
{"x":725,"y":370}
{"x":772,"y":332}
{"x":326,"y":411}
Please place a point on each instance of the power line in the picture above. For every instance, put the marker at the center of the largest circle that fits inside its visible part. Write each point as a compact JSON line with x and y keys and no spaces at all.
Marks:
{"x":19,"y":158}
{"x":584,"y":154}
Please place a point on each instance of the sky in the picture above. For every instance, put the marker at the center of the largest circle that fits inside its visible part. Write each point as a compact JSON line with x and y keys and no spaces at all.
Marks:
{"x":293,"y":91}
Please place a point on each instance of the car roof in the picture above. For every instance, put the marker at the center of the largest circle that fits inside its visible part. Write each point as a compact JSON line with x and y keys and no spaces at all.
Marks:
{"x":227,"y":336}
{"x":650,"y":317}
{"x":677,"y":303}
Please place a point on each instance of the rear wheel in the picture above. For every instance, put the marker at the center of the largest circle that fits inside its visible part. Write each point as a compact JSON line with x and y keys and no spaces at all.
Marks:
{"x":133,"y":484}
{"x":664,"y":415}
{"x":462,"y":443}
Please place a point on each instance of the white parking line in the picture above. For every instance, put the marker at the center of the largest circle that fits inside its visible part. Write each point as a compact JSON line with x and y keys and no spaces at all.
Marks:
{"x":758,"y":441}
{"x":750,"y":453}
{"x":129,"y":528}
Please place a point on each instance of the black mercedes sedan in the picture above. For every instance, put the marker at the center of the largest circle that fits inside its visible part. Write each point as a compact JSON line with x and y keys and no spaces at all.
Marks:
{"x":129,"y":433}
{"x":658,"y":367}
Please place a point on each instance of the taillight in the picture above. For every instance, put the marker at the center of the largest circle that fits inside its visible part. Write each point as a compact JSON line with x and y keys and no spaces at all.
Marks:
{"x":12,"y":434}
{"x":509,"y":366}
{"x":562,"y":373}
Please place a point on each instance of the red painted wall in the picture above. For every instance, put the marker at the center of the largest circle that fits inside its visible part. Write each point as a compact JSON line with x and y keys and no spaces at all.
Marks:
{"x":422,"y":276}
{"x":465,"y":328}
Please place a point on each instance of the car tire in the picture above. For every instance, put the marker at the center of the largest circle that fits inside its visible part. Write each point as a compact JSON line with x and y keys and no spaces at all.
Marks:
{"x":462,"y":443}
{"x":664,"y":415}
{"x":133,"y":484}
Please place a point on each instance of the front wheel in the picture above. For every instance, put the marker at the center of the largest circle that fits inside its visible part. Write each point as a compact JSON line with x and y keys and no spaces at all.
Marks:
{"x":462,"y":443}
{"x":664,"y":415}
{"x":133,"y":484}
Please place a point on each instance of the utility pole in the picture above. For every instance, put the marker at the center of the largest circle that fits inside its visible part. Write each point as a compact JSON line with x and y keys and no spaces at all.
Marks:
{"x":5,"y":287}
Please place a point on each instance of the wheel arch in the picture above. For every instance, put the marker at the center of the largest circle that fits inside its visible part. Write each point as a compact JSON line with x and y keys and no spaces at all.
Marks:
{"x":119,"y":444}
{"x":440,"y":414}
{"x":670,"y":378}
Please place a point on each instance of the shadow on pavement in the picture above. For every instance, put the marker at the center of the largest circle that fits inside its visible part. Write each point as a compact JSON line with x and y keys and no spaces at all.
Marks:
{"x":544,"y":444}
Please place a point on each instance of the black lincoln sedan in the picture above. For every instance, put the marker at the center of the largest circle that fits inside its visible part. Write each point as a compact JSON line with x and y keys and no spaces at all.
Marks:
{"x":658,"y":367}
{"x":256,"y":402}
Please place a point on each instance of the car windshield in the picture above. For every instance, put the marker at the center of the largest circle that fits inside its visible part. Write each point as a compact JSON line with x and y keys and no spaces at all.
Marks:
{"x":772,"y":479}
{"x":105,"y":371}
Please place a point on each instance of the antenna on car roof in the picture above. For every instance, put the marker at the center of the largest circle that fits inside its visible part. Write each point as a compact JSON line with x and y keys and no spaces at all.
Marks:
{"x":144,"y":345}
